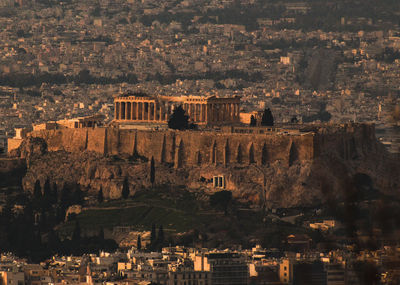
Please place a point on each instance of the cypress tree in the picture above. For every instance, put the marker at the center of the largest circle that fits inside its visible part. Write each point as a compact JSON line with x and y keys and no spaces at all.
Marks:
{"x":153,"y":236}
{"x":37,"y":196}
{"x":76,"y":235}
{"x":125,"y":188}
{"x":37,"y":190}
{"x":65,"y":199}
{"x":54,"y":194}
{"x":53,"y":241}
{"x":152,"y":171}
{"x":100,"y":197}
{"x":253,"y":121}
{"x":178,"y":120}
{"x":267,"y":118}
{"x":101,"y":234}
{"x":139,"y":243}
{"x":47,"y":194}
{"x":78,"y":195}
{"x":46,"y":189}
{"x":160,"y":237}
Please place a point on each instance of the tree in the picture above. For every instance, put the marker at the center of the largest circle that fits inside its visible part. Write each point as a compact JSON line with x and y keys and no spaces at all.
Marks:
{"x":76,"y":235}
{"x":160,"y":236}
{"x":125,"y":188}
{"x":54,"y":194}
{"x":37,"y":190}
{"x":53,"y":241}
{"x":101,"y":234}
{"x":253,"y":121}
{"x":221,"y":199}
{"x":267,"y":118}
{"x":47,"y":194}
{"x":152,"y":171}
{"x":47,"y":189}
{"x":37,"y":196}
{"x":65,"y":199}
{"x":139,"y":243}
{"x":77,"y":195}
{"x":178,"y":120}
{"x":100,"y":197}
{"x":153,"y":236}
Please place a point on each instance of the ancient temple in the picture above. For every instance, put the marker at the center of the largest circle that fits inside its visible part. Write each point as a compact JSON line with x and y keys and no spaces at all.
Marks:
{"x":212,"y":110}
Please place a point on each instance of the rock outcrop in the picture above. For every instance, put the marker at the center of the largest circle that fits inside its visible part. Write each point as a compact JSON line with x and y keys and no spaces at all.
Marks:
{"x":285,"y":182}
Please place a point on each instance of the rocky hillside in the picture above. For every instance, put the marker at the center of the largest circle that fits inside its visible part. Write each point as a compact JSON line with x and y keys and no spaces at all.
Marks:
{"x":330,"y":176}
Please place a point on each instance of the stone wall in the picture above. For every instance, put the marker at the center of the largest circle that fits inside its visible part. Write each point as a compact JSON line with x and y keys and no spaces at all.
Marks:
{"x":185,"y":148}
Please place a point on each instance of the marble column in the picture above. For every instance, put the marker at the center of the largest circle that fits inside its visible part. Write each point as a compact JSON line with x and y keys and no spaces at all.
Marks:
{"x":149,"y":107}
{"x":199,"y":112}
{"x":165,"y":112}
{"x":126,"y":110}
{"x":185,"y":107}
{"x":136,"y":110}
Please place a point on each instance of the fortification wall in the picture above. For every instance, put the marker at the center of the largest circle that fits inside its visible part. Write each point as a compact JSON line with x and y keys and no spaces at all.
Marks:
{"x":349,"y":140}
{"x":183,"y":148}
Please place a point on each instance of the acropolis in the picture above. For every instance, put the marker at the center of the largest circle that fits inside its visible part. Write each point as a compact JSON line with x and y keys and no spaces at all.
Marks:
{"x":138,"y":107}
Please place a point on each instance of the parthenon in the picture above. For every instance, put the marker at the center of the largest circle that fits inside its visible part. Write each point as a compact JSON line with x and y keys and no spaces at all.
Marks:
{"x":138,"y":107}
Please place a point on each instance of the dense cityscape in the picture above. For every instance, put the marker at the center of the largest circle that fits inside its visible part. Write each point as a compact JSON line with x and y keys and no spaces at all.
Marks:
{"x":199,"y":142}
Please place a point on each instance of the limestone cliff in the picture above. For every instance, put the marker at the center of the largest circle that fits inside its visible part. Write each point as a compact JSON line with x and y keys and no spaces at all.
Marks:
{"x":280,"y":170}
